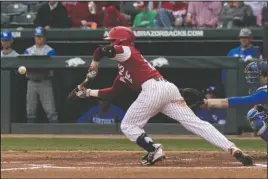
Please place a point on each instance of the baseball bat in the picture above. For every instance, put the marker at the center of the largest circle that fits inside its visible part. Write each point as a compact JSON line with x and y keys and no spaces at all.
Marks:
{"x":72,"y":95}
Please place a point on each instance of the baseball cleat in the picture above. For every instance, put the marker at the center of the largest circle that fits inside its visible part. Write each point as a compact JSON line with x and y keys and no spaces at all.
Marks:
{"x":152,"y":157}
{"x":245,"y":159}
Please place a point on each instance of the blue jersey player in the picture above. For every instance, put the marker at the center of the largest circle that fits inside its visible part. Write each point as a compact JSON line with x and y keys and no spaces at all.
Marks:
{"x":256,"y":76}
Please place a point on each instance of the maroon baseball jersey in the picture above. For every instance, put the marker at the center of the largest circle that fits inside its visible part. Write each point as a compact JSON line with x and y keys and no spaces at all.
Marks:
{"x":133,"y":69}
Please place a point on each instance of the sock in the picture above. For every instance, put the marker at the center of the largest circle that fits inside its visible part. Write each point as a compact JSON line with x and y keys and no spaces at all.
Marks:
{"x":145,"y":142}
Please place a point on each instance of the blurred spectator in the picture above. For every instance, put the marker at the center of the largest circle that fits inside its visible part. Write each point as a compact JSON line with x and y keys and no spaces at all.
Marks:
{"x":131,"y":9}
{"x":68,"y":5}
{"x":6,"y":42}
{"x":103,"y":113}
{"x":213,"y":116}
{"x":52,"y":15}
{"x":203,"y":14}
{"x":256,"y":6}
{"x":246,"y":50}
{"x":40,"y":83}
{"x":262,"y":17}
{"x":237,"y":14}
{"x":81,"y":14}
{"x":171,"y":14}
{"x":113,"y":17}
{"x":145,"y":18}
{"x":5,"y":20}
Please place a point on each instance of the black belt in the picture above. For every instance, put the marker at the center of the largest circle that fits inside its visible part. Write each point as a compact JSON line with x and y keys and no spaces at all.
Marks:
{"x":160,"y":79}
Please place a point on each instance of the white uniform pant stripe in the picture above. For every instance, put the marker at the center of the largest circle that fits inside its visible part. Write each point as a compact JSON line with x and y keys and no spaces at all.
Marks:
{"x":191,"y":122}
{"x":160,"y":96}
{"x":142,"y":109}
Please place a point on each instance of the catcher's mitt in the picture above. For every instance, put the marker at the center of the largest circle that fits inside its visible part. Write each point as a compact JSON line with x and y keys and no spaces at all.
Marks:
{"x":193,"y":97}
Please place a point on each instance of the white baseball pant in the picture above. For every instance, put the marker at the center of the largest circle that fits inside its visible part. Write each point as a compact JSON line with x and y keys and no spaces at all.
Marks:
{"x":164,"y":97}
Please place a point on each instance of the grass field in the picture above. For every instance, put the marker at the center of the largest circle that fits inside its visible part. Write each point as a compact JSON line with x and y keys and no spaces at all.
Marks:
{"x":18,"y":144}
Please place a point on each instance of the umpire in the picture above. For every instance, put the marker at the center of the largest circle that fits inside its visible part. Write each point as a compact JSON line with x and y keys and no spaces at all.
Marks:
{"x":39,"y":81}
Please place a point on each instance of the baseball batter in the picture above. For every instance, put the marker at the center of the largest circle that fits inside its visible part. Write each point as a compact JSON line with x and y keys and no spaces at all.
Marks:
{"x":156,"y":95}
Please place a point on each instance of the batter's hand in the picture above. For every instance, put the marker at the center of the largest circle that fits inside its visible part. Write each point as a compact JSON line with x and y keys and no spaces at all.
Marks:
{"x":83,"y":93}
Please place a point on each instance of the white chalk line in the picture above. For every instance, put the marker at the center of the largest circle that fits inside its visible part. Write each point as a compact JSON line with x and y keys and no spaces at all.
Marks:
{"x":261,"y":165}
{"x":42,"y":166}
{"x":13,"y":162}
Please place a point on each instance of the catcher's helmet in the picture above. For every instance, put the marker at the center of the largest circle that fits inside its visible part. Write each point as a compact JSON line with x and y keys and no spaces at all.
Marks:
{"x":253,"y":71}
{"x":121,"y":36}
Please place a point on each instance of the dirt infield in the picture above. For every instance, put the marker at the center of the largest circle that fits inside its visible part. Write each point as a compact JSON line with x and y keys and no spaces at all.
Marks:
{"x":125,"y":164}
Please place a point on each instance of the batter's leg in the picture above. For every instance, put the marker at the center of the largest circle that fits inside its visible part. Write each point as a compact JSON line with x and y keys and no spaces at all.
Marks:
{"x":138,"y":114}
{"x":183,"y":114}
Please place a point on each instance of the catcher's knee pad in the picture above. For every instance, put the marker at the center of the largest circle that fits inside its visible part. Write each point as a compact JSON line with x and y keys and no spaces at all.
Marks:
{"x":256,"y":121}
{"x":264,"y":135}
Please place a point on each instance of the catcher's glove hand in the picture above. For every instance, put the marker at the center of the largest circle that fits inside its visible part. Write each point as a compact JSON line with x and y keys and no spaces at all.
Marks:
{"x":193,"y":97}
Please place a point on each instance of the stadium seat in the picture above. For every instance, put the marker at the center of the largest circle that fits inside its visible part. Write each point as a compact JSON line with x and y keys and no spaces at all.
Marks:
{"x":5,"y":19}
{"x":6,"y":3}
{"x":25,"y":18}
{"x":35,"y":7}
{"x":14,"y":9}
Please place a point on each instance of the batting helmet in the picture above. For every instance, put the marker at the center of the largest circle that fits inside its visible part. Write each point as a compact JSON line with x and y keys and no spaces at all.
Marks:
{"x":121,"y":36}
{"x":6,"y":35}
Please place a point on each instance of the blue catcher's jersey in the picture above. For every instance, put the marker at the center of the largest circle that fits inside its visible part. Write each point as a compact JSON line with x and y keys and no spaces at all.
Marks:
{"x":260,"y":96}
{"x":264,"y":89}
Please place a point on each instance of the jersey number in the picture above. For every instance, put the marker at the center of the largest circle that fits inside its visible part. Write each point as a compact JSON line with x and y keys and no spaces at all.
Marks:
{"x":124,"y":74}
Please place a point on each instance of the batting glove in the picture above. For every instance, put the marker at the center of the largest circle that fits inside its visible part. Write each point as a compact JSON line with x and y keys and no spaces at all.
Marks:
{"x":83,"y":93}
{"x":92,"y":73}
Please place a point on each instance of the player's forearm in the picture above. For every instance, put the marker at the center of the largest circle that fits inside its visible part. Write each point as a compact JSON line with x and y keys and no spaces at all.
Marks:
{"x":97,"y":55}
{"x":102,"y":51}
{"x":105,"y":93}
{"x":93,"y":93}
{"x":259,"y":97}
{"x":217,"y":103}
{"x":96,"y":60}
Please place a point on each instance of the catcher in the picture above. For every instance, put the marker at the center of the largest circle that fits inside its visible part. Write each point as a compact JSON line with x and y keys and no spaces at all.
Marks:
{"x":156,"y":95}
{"x":256,"y":77}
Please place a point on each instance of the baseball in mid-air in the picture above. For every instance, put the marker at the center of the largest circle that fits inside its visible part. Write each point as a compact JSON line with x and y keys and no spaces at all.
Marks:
{"x":22,"y":70}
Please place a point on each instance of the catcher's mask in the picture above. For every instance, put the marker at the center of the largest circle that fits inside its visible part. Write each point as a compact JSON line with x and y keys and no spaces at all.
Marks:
{"x":121,"y":35}
{"x":253,"y":71}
